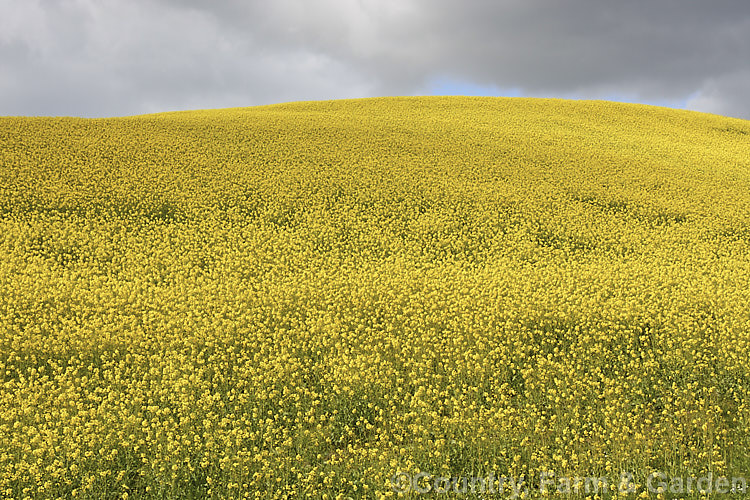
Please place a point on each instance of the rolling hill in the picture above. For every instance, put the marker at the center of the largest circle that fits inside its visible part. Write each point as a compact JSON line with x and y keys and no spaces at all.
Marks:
{"x":312,"y":297}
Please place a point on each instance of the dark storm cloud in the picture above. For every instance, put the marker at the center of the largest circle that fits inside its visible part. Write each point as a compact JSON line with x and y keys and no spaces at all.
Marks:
{"x":653,"y":50}
{"x":97,"y":58}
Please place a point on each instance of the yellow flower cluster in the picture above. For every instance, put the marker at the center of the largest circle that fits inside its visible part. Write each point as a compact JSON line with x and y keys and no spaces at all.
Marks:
{"x":301,"y":300}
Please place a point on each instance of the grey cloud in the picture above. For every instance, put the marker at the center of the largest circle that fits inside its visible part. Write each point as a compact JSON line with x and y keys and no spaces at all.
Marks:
{"x":724,"y":95}
{"x":91,"y":58}
{"x":657,"y":50}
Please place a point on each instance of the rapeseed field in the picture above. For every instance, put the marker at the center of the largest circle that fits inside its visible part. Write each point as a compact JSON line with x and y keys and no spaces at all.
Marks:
{"x":320,"y":299}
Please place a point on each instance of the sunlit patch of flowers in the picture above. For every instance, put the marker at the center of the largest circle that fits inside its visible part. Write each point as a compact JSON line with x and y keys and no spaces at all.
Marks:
{"x":300,"y":300}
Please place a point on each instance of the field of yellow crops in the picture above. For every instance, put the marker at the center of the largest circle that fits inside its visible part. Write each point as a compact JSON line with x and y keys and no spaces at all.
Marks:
{"x":303,"y":300}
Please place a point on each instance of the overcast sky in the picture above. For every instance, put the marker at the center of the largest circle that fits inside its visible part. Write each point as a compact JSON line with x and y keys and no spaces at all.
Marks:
{"x":123,"y":57}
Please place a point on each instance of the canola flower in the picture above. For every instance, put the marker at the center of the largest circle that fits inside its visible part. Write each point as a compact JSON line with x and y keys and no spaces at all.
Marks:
{"x":299,"y":300}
